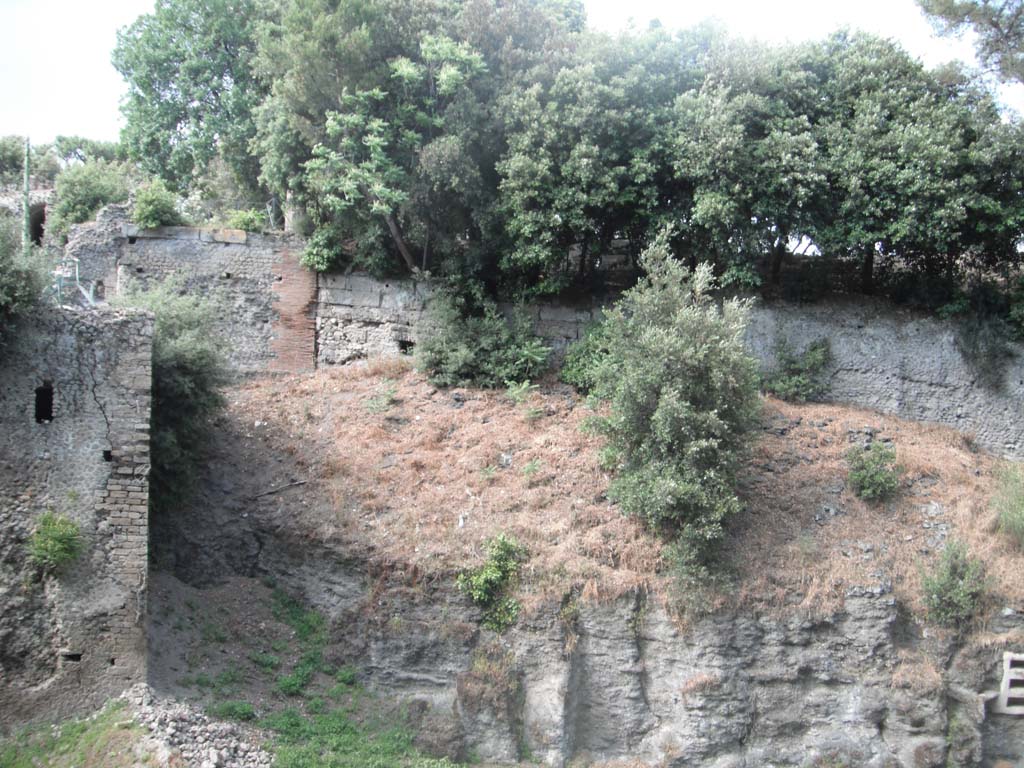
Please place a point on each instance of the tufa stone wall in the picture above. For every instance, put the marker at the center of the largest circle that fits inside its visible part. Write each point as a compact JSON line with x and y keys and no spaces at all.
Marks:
{"x":71,"y":640}
{"x":265,"y":297}
{"x":886,"y":359}
{"x":900,"y":363}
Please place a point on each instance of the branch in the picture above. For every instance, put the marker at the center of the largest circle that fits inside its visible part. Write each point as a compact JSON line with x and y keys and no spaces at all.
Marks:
{"x":281,"y":488}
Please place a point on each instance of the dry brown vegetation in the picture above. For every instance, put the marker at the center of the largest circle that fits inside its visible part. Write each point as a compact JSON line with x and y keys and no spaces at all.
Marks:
{"x":423,"y":477}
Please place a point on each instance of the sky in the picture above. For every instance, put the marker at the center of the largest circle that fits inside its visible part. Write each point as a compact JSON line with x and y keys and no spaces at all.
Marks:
{"x":57,"y":77}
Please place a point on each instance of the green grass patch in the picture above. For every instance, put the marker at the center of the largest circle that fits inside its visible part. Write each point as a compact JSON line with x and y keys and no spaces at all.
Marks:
{"x":266,"y":661}
{"x":107,"y":740}
{"x":332,"y":740}
{"x":1008,"y":502}
{"x":232,"y":710}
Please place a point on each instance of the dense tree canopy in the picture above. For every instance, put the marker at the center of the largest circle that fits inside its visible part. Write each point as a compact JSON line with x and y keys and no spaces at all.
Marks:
{"x":503,"y":143}
{"x":191,"y":87}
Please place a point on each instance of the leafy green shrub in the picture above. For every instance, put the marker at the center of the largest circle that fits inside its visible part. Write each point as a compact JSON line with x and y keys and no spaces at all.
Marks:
{"x":250,"y":220}
{"x":156,"y":206}
{"x":1008,"y":502}
{"x":683,"y":393}
{"x":874,"y":474}
{"x":81,"y":190}
{"x":797,"y":378}
{"x":583,"y":357}
{"x":55,"y":543}
{"x":22,"y":277}
{"x":487,"y":586}
{"x":232,"y":710}
{"x":483,"y":349}
{"x":955,"y":587}
{"x":188,"y":374}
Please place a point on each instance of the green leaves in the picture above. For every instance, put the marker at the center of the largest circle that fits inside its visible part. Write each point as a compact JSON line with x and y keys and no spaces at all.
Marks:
{"x":682,"y":392}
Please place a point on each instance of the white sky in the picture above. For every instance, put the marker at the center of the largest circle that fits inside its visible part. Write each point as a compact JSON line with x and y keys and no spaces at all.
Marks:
{"x":57,"y":78}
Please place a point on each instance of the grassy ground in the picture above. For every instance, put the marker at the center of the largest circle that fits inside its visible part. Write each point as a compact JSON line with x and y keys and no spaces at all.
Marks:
{"x":110,"y":739}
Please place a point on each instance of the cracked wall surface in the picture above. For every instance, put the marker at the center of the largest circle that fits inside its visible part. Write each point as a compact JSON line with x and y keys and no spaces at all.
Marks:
{"x":70,"y":640}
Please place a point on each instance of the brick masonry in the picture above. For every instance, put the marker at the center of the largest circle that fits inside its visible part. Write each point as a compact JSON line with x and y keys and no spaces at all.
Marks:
{"x":71,"y":640}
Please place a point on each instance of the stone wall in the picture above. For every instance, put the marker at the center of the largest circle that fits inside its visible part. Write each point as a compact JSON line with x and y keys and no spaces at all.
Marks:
{"x":889,"y":360}
{"x":265,"y":297}
{"x":900,"y":363}
{"x":68,"y":641}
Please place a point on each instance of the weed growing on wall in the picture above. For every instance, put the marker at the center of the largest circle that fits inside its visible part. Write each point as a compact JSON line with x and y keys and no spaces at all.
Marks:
{"x":55,"y":543}
{"x":798,"y":377}
{"x":683,"y":393}
{"x":874,"y":474}
{"x":955,"y":586}
{"x":488,"y":585}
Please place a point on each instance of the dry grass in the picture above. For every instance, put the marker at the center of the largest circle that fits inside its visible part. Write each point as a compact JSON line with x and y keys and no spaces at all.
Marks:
{"x":422,"y":482}
{"x":796,"y":475}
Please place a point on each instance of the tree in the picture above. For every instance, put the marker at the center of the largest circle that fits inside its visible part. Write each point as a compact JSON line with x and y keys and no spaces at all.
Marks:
{"x":382,"y":123}
{"x":682,"y":391}
{"x":22,"y":276}
{"x":78,"y":149}
{"x":83,"y":189}
{"x":998,"y":26}
{"x":589,"y":152}
{"x":192,"y":87}
{"x":744,"y":143}
{"x":909,"y":156}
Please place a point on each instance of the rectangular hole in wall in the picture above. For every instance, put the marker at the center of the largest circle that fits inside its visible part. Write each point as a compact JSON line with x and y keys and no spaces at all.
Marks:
{"x":1017,"y":662}
{"x":68,"y":656}
{"x":405,"y":346}
{"x":1015,"y":701}
{"x":108,"y":455}
{"x":44,"y":403}
{"x":1016,"y":683}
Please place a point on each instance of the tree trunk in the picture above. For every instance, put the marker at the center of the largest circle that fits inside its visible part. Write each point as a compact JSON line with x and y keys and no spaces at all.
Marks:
{"x":403,"y":248}
{"x":26,"y":208}
{"x":778,"y":254}
{"x":867,"y":272}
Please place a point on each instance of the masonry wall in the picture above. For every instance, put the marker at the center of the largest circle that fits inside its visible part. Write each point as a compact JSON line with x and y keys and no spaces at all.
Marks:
{"x":71,"y":640}
{"x":265,"y":298}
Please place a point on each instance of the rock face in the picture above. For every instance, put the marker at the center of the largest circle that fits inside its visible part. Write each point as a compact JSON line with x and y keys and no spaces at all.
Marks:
{"x":620,"y":681}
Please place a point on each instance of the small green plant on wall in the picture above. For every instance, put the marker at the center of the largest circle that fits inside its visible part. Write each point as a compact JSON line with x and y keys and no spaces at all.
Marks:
{"x":55,"y":543}
{"x":799,"y":377}
{"x":488,"y":585}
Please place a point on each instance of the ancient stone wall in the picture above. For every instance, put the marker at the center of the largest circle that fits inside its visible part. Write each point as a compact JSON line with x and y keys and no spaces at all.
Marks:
{"x":74,"y":441}
{"x":265,"y":297}
{"x":890,"y":360}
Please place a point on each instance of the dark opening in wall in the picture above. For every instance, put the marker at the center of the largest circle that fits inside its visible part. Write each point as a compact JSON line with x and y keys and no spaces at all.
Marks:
{"x":68,"y":656}
{"x":108,"y":455}
{"x":99,"y":290}
{"x":132,"y":240}
{"x":44,"y":403}
{"x":37,"y":222}
{"x":405,"y":346}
